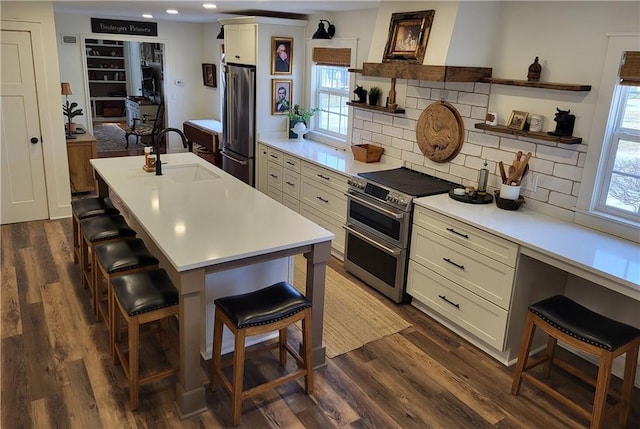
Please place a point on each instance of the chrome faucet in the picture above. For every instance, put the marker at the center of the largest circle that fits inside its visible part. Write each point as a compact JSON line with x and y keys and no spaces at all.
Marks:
{"x":185,"y":143}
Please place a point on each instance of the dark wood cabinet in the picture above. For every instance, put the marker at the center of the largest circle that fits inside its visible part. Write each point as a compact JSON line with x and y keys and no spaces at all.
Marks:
{"x":207,"y":135}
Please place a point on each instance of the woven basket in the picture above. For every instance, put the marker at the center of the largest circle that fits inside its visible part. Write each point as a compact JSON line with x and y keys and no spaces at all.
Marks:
{"x":367,"y":152}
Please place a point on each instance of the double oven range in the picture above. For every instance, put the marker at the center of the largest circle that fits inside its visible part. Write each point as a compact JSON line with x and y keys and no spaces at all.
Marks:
{"x":378,"y":228}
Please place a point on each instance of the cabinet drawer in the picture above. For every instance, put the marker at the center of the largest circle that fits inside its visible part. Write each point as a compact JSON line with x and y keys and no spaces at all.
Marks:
{"x":291,"y":184}
{"x":274,"y":155}
{"x":329,"y":178}
{"x":330,"y":224}
{"x":292,"y":163}
{"x":479,"y":274}
{"x":275,"y":176}
{"x":292,"y":203}
{"x":479,"y":317}
{"x":323,"y":198}
{"x":483,"y":242}
{"x":275,"y":194}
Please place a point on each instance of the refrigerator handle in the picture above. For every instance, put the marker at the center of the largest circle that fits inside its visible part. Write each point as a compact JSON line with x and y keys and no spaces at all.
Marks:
{"x":232,"y":93}
{"x":239,"y":161}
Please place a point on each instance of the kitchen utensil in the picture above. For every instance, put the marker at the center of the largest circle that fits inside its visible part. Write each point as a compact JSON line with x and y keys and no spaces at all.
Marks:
{"x":483,"y":177}
{"x":517,"y":174}
{"x":512,"y":172}
{"x":524,"y":172}
{"x":503,"y":174}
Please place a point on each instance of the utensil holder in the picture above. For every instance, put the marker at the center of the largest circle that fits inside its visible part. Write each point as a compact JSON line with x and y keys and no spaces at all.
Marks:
{"x":509,"y":192}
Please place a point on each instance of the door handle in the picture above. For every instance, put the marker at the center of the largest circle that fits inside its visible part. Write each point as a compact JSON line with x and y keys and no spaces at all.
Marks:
{"x":239,"y":161}
{"x":393,"y":252}
{"x":34,"y":140}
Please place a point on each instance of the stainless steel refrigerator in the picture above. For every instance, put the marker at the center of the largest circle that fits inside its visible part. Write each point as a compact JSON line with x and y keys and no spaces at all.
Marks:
{"x":239,"y":137}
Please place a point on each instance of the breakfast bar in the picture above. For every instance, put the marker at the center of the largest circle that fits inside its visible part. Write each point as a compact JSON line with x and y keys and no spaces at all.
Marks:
{"x":200,"y":221}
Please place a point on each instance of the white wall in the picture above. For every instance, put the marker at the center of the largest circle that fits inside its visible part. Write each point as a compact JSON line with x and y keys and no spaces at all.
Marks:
{"x":49,"y":101}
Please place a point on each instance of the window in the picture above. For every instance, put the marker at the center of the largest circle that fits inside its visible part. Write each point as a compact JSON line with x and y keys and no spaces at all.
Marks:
{"x":331,"y":96}
{"x":619,"y":184}
{"x":609,"y":198}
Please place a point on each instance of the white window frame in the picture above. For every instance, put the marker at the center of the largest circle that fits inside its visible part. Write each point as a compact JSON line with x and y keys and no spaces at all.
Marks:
{"x":310,"y":85}
{"x":329,"y":92}
{"x":596,"y":163}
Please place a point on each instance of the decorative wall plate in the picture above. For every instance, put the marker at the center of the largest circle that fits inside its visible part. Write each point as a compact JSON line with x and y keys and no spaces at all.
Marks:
{"x":440,"y":132}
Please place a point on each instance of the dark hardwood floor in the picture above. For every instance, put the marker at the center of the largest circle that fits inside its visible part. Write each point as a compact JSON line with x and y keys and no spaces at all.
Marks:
{"x":56,"y":371}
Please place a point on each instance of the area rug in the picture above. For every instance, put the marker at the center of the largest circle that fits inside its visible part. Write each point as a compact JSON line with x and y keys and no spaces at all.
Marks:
{"x":109,"y":137}
{"x":352,"y":317}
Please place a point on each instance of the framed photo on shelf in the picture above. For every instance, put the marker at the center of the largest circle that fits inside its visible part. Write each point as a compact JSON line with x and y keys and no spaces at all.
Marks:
{"x":517,"y":120}
{"x":408,"y":36}
{"x":281,"y":55}
{"x":281,"y":96}
{"x":209,"y":75}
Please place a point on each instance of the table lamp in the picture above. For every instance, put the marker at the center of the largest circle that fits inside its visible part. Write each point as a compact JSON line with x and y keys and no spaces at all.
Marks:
{"x":66,"y":91}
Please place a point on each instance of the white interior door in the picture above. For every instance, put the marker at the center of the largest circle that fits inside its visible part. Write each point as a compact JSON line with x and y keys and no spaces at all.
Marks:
{"x":24,"y":194}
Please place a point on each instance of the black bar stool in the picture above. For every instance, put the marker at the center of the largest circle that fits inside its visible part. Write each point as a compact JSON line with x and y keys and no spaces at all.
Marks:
{"x":113,"y":259}
{"x":265,"y":310}
{"x":100,"y":229}
{"x":140,"y":298}
{"x":84,"y":209}
{"x":565,"y":320}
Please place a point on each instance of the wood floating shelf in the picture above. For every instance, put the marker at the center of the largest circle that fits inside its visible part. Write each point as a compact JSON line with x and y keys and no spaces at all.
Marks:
{"x":544,"y":85}
{"x":376,"y":108}
{"x":532,"y":134}
{"x":401,"y":70}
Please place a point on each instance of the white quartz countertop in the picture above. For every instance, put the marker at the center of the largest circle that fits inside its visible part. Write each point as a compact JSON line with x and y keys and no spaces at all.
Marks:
{"x":200,"y":215}
{"x":603,"y":255}
{"x":338,"y":160}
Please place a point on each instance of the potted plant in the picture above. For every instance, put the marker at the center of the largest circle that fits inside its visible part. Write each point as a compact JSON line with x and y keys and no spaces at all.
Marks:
{"x":374,"y":95}
{"x":71,"y":110}
{"x":299,"y":114}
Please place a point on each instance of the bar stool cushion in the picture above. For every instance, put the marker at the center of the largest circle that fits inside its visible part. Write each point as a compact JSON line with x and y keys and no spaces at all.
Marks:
{"x":263,"y":306}
{"x":89,"y":207}
{"x":127,"y":255}
{"x":105,"y":228}
{"x":145,"y":291}
{"x":581,"y":323}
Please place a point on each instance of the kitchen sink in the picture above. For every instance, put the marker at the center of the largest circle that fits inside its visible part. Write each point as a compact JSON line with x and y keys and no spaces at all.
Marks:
{"x":188,"y":173}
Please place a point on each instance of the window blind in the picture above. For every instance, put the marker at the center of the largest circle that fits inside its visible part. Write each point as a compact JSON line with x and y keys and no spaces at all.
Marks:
{"x":630,"y":69}
{"x":332,"y":56}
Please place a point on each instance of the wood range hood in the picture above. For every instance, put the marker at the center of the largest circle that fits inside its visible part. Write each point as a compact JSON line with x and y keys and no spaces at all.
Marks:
{"x":402,"y":70}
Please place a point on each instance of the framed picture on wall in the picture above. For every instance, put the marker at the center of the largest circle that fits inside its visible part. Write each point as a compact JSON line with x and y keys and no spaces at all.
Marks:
{"x":281,"y":55}
{"x":209,"y":75}
{"x":281,"y":96}
{"x":408,"y":36}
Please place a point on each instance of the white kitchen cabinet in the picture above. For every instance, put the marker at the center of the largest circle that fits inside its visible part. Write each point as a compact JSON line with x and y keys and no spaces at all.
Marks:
{"x":262,"y":167}
{"x":240,"y":43}
{"x":463,"y":274}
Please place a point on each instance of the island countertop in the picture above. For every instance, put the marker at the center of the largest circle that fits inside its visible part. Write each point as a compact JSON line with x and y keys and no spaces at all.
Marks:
{"x":206,"y":218}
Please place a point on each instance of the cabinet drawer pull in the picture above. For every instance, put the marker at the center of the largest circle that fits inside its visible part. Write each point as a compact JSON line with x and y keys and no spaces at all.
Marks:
{"x":275,"y":176}
{"x":323,"y":177}
{"x":290,"y":184}
{"x":291,"y":163}
{"x":449,"y":302}
{"x":458,"y":233}
{"x":322,"y":199}
{"x":273,"y":156}
{"x":453,"y":263}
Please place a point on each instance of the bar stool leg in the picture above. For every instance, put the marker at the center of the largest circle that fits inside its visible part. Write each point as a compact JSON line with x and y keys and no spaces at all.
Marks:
{"x":551,"y":349}
{"x":75,"y":226}
{"x":238,"y":375}
{"x":134,"y":330}
{"x":525,"y":345}
{"x":282,"y":335}
{"x":602,"y":389}
{"x":627,"y":385}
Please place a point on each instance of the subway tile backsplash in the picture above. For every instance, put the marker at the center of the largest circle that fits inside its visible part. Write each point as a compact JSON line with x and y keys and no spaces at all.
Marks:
{"x":557,"y":166}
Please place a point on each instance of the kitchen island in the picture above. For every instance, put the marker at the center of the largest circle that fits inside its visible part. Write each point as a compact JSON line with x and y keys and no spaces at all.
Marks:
{"x":202,"y":222}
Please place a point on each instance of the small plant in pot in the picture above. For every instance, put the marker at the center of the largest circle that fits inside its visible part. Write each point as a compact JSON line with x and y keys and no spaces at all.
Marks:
{"x":299,"y":114}
{"x":374,"y":95}
{"x":71,"y":110}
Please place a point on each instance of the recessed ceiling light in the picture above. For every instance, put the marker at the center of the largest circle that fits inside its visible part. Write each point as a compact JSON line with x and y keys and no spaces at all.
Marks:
{"x":172,"y":11}
{"x":209,"y":6}
{"x":147,"y":15}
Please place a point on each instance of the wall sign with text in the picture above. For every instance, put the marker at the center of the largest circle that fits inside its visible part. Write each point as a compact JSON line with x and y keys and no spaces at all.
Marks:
{"x":115,"y":26}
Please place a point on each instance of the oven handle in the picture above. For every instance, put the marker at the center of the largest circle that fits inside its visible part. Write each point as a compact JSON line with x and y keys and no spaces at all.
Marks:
{"x":376,"y":208}
{"x":373,"y":242}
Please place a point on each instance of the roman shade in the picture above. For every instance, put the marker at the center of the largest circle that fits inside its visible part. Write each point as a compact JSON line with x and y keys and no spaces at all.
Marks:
{"x":340,"y":57}
{"x":630,"y":69}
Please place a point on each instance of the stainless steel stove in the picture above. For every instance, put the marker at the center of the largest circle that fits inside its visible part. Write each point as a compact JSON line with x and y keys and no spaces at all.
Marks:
{"x":378,"y":229}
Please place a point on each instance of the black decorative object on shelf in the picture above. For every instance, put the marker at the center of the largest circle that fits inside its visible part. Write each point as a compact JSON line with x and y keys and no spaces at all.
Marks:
{"x":564,"y":123}
{"x":534,"y":71}
{"x":361,"y":93}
